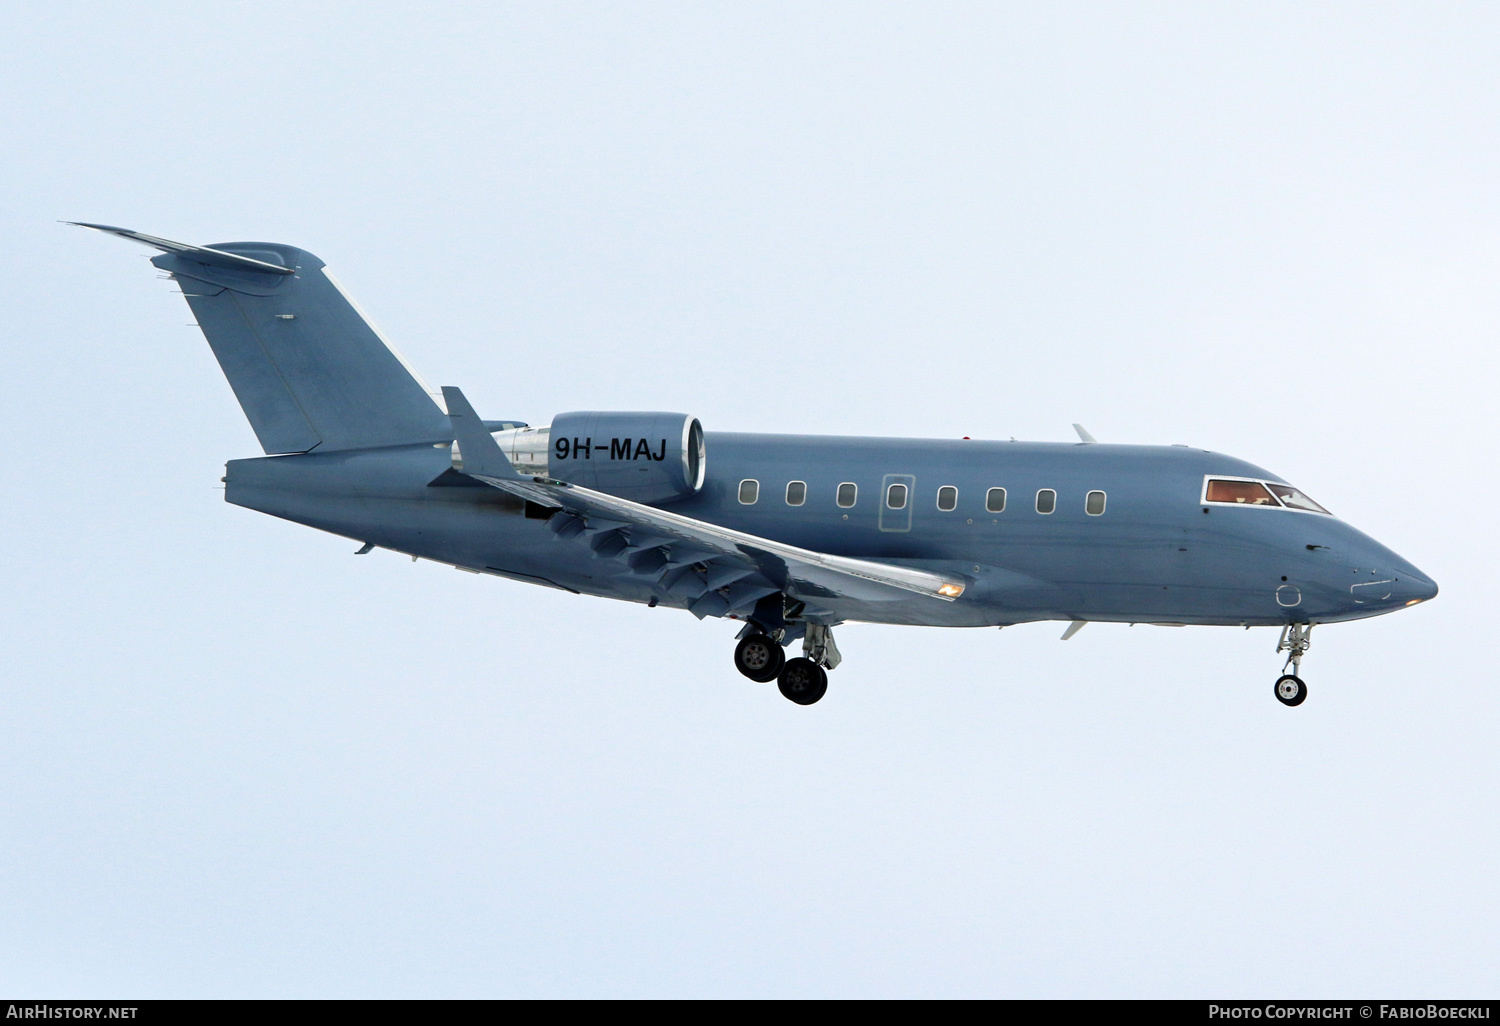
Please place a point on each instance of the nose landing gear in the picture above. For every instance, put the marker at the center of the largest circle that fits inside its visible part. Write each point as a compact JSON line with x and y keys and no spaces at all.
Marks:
{"x":1290,"y":690}
{"x":1296,"y":639}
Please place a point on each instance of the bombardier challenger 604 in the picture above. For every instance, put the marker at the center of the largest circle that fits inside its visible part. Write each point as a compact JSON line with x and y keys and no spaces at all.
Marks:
{"x":790,"y":534}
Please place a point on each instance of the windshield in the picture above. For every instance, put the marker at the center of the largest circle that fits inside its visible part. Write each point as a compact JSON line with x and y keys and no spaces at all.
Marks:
{"x":1271,"y":494}
{"x":1292,"y":498}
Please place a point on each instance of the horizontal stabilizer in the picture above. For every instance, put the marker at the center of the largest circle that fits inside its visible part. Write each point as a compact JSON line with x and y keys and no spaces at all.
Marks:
{"x":201,"y":254}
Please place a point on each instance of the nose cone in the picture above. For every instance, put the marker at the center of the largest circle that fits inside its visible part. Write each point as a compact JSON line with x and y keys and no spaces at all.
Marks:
{"x":1382,"y":580}
{"x":1413,"y":586}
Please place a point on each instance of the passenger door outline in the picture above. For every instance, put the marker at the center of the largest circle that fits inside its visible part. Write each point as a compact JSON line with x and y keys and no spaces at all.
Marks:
{"x":897,"y":520}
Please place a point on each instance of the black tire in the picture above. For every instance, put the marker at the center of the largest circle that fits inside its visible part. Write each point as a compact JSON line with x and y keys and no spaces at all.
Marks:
{"x":1290,"y":690}
{"x":759,"y":658}
{"x":803,"y":681}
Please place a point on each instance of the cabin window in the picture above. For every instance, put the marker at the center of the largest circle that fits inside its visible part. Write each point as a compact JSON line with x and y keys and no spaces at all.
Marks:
{"x":1046,"y":500}
{"x":1249,"y":493}
{"x":994,"y":500}
{"x":1291,"y":498}
{"x":947,"y":498}
{"x":895,"y":496}
{"x":1094,"y":504}
{"x":796,"y":493}
{"x":848,"y":492}
{"x":749,"y":491}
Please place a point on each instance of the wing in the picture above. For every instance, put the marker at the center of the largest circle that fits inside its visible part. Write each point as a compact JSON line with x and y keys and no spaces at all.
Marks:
{"x":714,"y":569}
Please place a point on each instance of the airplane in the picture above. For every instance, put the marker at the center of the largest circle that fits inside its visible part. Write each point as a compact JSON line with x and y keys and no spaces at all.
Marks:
{"x":792,"y":535}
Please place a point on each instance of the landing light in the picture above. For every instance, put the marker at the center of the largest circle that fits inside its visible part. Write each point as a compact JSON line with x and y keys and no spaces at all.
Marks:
{"x":1412,"y":602}
{"x":951,"y":590}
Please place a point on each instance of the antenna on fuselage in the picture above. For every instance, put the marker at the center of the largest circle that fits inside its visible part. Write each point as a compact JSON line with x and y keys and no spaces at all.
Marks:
{"x":1087,"y":438}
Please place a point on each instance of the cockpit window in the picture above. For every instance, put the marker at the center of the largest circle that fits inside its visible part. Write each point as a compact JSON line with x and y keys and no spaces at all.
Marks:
{"x":1292,"y":498}
{"x":1250,"y":493}
{"x":1245,"y":492}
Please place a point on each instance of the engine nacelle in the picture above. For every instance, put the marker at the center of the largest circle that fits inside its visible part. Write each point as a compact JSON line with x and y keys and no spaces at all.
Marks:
{"x":645,"y":457}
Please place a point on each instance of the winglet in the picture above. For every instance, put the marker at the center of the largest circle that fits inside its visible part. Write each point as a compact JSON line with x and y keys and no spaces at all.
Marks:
{"x":202,"y":254}
{"x":476,"y":454}
{"x":1087,"y":438}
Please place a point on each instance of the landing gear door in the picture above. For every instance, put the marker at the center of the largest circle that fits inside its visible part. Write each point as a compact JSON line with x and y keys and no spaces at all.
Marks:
{"x":897,"y":492}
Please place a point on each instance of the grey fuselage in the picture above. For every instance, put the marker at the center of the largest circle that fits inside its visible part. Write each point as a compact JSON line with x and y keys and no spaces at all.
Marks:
{"x":1157,"y":553}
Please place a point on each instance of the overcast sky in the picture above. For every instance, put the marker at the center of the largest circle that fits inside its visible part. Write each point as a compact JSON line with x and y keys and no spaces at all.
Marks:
{"x":235,"y":760}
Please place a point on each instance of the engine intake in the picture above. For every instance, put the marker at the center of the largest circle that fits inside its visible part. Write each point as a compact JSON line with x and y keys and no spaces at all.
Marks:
{"x":645,"y":457}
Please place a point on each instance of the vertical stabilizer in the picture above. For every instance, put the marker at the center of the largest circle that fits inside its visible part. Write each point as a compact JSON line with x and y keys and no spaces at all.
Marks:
{"x":308,"y":369}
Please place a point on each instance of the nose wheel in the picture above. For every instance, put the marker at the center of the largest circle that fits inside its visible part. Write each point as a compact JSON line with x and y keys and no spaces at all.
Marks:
{"x":1296,"y":639}
{"x":1290,"y":690}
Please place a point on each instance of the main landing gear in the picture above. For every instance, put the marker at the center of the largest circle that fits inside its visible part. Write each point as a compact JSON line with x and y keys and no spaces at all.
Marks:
{"x":804,"y":679}
{"x":759,"y":658}
{"x":1296,"y":639}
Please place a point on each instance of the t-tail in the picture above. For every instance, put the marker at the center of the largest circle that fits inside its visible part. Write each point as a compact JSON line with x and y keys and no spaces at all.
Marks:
{"x":309,"y":370}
